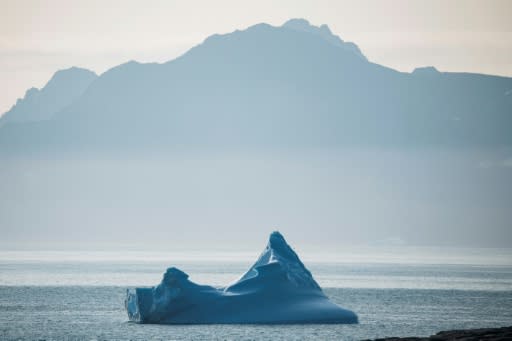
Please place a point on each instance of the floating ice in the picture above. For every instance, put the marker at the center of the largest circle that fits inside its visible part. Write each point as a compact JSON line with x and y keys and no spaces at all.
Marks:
{"x":276,"y":289}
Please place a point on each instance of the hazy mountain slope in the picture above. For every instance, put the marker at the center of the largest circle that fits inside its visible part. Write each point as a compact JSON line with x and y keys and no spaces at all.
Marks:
{"x":295,"y":85}
{"x":41,"y":104}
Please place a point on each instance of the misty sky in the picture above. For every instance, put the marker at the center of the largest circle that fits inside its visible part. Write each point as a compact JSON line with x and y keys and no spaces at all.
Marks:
{"x":350,"y":195}
{"x":37,"y":38}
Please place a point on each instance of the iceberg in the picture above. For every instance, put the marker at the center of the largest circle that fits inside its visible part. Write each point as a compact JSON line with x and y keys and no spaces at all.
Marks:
{"x":277,"y":289}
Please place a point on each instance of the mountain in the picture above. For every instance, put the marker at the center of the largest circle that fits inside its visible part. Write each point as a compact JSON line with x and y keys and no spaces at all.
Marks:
{"x":296,"y":85}
{"x":41,"y":104}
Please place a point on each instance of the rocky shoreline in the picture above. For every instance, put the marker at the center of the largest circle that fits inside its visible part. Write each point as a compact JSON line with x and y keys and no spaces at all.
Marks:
{"x":502,"y":334}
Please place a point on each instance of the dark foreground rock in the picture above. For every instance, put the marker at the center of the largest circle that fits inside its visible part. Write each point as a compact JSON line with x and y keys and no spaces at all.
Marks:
{"x":501,"y":334}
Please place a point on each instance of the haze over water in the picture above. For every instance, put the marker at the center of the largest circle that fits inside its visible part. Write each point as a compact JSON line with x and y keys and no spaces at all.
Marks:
{"x":362,"y":267}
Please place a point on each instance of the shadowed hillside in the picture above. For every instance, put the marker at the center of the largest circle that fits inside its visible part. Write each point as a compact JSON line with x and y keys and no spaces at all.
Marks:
{"x":295,"y":85}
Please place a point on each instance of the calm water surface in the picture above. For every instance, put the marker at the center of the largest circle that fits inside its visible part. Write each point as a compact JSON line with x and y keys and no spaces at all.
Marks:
{"x":63,"y":296}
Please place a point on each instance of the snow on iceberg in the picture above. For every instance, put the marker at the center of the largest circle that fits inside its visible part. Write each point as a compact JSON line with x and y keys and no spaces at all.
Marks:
{"x":276,"y":289}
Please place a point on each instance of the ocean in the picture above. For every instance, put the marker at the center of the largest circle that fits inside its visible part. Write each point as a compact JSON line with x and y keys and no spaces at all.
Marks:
{"x":77,"y":295}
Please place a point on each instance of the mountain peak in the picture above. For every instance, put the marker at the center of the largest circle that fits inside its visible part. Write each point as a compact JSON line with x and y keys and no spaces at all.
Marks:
{"x":300,"y":24}
{"x":323,"y":31}
{"x":70,"y":77}
{"x":72,"y":71}
{"x":41,"y":104}
{"x":426,"y":71}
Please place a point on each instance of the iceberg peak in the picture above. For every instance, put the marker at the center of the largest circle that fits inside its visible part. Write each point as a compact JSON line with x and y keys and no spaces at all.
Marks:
{"x":277,"y":242}
{"x":173,"y":275}
{"x":278,"y":251}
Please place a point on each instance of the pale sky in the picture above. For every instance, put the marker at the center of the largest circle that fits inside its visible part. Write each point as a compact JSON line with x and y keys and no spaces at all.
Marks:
{"x":38,"y":38}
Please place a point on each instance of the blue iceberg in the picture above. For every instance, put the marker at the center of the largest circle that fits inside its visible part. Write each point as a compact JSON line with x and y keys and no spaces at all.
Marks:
{"x":276,"y":289}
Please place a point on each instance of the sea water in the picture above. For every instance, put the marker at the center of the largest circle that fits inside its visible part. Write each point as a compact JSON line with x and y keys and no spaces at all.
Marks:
{"x":80,"y":295}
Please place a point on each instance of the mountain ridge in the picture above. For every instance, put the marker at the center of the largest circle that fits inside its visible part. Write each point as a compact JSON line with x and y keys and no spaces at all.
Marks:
{"x":62,"y":89}
{"x":290,"y":85}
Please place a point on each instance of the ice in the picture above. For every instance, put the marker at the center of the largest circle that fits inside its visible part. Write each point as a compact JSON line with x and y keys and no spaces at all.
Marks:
{"x":276,"y":289}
